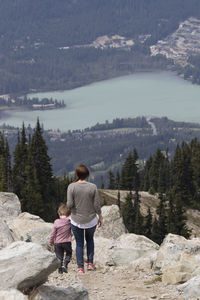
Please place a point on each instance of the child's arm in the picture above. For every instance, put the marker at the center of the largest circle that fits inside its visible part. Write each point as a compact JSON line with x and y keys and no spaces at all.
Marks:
{"x":53,"y":235}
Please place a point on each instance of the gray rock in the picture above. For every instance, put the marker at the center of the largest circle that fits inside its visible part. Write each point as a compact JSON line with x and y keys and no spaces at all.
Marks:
{"x":190,"y":289}
{"x":113,"y":225}
{"x":103,"y":251}
{"x":74,"y":292}
{"x":30,"y":228}
{"x":25,"y":265}
{"x":9,"y":205}
{"x":143,"y":263}
{"x":178,"y":259}
{"x":6,"y":237}
{"x":12,"y":294}
{"x":131,"y":247}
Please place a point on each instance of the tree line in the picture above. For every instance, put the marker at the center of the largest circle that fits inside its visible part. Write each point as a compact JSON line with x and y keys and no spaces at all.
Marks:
{"x":176,"y":182}
{"x":31,"y":176}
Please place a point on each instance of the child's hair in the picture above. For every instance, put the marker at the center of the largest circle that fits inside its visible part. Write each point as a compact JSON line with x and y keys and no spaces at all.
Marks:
{"x":82,"y":172}
{"x":63,"y":210}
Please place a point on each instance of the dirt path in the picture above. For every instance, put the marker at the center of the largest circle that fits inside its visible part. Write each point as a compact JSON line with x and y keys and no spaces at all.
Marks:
{"x":117,"y":283}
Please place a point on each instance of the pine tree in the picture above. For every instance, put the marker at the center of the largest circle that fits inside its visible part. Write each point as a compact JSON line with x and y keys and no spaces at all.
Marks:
{"x":159,"y":229}
{"x":5,"y":169}
{"x":20,"y":162}
{"x":44,"y":175}
{"x":180,"y":218}
{"x":128,"y":213}
{"x":171,"y":225}
{"x":31,"y":196}
{"x":8,"y":167}
{"x":195,"y":164}
{"x":183,"y":175}
{"x":145,"y":183}
{"x":112,"y":184}
{"x":117,"y":180}
{"x":155,"y":235}
{"x":155,"y":172}
{"x":129,"y":175}
{"x":148,"y":224}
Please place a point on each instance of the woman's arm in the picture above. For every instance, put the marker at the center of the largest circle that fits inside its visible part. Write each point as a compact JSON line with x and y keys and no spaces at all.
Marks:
{"x":70,"y":198}
{"x":100,"y":221}
{"x":97,"y":205}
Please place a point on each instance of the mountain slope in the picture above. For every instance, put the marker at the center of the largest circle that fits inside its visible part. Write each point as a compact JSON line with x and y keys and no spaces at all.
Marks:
{"x":33,"y":34}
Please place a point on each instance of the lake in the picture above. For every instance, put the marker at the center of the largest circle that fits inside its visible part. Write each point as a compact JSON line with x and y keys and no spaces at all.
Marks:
{"x":141,"y":94}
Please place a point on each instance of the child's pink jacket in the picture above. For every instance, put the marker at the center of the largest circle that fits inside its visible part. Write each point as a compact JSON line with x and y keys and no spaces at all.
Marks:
{"x":61,"y":231}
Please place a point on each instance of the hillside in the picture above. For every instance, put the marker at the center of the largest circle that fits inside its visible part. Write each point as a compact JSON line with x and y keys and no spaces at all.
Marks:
{"x":109,"y":197}
{"x":110,"y":143}
{"x":53,"y":45}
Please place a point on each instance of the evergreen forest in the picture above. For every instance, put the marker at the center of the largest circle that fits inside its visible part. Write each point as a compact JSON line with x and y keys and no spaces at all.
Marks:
{"x":31,"y":177}
{"x":176,"y":183}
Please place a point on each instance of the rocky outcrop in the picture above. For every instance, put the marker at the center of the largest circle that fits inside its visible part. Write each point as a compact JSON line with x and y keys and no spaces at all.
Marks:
{"x":6,"y":237}
{"x":178,"y":259}
{"x":12,"y":294}
{"x":113,"y":225}
{"x":191,"y":289}
{"x":74,"y":292}
{"x":25,"y":265}
{"x":9,"y":205}
{"x":131,"y":247}
{"x":30,"y":228}
{"x":103,"y":251}
{"x":128,"y":249}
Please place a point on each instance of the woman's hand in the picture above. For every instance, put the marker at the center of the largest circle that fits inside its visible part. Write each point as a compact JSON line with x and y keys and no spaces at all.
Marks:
{"x":100,"y":221}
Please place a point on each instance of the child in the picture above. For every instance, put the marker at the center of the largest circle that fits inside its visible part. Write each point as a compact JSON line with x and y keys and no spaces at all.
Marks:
{"x":61,"y":238}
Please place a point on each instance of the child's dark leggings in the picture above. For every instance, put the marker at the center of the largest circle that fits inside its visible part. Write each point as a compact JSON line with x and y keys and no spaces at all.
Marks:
{"x":60,"y":250}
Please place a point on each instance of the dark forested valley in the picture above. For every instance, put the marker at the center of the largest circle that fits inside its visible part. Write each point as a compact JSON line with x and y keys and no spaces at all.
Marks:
{"x":106,"y":146}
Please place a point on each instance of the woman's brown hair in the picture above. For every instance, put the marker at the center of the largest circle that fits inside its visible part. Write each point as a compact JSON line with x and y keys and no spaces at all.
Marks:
{"x":82,"y":172}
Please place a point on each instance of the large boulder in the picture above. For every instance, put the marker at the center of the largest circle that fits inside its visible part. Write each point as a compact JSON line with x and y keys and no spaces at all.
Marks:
{"x":190,"y":289}
{"x":24,"y":265}
{"x":6,"y":237}
{"x":103,"y":251}
{"x":12,"y":294}
{"x":131,"y":247}
{"x":30,"y":228}
{"x":113,"y":225}
{"x":178,"y":259}
{"x":143,"y":263}
{"x":74,"y":292}
{"x":9,"y":205}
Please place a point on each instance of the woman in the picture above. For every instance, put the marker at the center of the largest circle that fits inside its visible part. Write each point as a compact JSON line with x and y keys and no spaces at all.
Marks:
{"x":83,"y":201}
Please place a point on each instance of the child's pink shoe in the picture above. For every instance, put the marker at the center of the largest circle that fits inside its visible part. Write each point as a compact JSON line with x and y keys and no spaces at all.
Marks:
{"x":81,"y":271}
{"x":91,"y":267}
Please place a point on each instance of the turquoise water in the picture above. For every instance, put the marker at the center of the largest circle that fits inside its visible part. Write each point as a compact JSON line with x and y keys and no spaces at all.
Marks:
{"x":141,"y":94}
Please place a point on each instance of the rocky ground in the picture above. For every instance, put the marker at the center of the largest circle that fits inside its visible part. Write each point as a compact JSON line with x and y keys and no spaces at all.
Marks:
{"x":118,"y":283}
